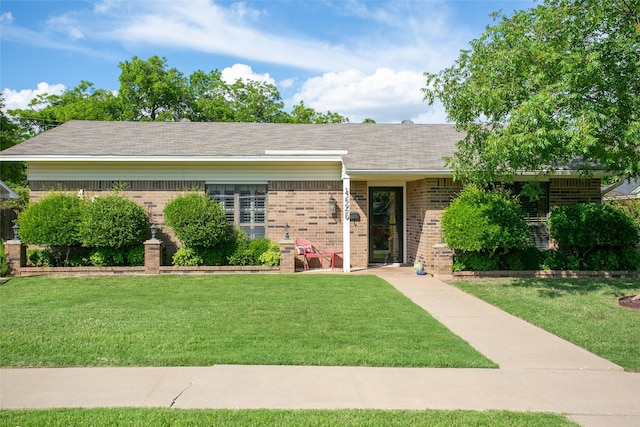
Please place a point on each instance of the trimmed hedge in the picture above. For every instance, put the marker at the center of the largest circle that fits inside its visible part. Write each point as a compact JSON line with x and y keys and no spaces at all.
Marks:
{"x":196,"y":220}
{"x":479,"y":220}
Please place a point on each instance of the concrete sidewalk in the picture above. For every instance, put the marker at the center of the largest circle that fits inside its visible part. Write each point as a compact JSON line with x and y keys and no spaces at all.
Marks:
{"x":538,"y":372}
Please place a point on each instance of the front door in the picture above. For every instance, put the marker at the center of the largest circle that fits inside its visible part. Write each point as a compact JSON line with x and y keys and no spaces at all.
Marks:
{"x":385,"y":225}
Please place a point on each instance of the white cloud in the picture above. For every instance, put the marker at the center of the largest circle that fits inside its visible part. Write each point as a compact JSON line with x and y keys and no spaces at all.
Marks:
{"x":204,"y":26}
{"x":19,"y":99}
{"x":387,"y":96}
{"x":244,"y":72}
{"x":6,"y":18}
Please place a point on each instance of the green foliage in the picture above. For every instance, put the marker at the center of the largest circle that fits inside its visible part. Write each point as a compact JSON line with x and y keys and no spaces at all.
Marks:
{"x":484,"y":220}
{"x":39,"y":258}
{"x":11,"y":173}
{"x":187,"y":257}
{"x":79,"y":260}
{"x":630,"y":207}
{"x":4,"y":262}
{"x":544,"y":86}
{"x":150,"y":90}
{"x":20,"y":204}
{"x":197,"y":221}
{"x":135,"y":256}
{"x":271,"y":257}
{"x":103,"y":257}
{"x":474,"y":261}
{"x":53,"y":221}
{"x":113,"y":222}
{"x":260,"y":251}
{"x":586,"y":225}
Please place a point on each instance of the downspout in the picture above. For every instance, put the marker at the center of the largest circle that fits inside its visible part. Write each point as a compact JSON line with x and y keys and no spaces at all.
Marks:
{"x":346,"y":221}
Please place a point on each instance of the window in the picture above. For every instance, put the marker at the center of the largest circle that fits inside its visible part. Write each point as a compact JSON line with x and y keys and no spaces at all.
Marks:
{"x":245,"y":206}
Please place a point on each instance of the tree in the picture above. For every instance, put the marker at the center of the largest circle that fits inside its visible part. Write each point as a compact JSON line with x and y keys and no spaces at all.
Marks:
{"x":546,"y":86}
{"x":13,"y":173}
{"x":83,"y":102}
{"x":302,"y":114}
{"x":150,"y":91}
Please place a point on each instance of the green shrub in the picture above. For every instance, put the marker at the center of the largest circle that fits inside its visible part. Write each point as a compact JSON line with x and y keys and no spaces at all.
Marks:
{"x":39,"y":258}
{"x":103,"y":257}
{"x":187,"y":257}
{"x":521,"y":259}
{"x":480,"y":220}
{"x":587,"y":225}
{"x":554,"y":260}
{"x":79,"y":260}
{"x":4,"y":262}
{"x":113,"y":222}
{"x":135,"y":256}
{"x":629,"y":259}
{"x":196,"y":220}
{"x":474,"y":261}
{"x":598,"y":237}
{"x":52,"y":221}
{"x":270,"y":257}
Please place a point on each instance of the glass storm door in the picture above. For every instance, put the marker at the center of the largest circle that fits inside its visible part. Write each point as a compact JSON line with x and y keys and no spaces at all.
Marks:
{"x":385,"y":225}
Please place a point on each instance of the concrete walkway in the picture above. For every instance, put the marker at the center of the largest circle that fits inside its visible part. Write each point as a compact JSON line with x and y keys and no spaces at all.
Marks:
{"x":538,"y":372}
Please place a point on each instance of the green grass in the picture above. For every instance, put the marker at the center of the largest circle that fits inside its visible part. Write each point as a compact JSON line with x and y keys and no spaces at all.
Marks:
{"x":309,"y":418}
{"x":221,"y":319}
{"x":583,"y":311}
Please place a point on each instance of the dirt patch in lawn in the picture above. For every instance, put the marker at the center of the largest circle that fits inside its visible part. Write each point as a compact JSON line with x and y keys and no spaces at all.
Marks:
{"x":629,"y":302}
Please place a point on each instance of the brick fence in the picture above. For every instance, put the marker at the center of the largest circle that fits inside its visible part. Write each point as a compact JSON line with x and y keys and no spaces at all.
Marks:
{"x":16,"y":254}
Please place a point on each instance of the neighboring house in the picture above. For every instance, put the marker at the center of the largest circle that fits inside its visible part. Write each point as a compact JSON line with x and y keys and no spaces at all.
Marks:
{"x":376,"y":192}
{"x":6,"y":192}
{"x":627,"y":189}
{"x":7,"y":215}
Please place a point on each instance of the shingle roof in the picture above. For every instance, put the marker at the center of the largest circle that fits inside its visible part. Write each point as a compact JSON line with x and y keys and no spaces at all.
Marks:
{"x":375,"y":147}
{"x":626,"y":189}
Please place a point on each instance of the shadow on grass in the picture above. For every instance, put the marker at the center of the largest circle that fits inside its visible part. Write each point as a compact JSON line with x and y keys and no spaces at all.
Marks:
{"x":555,"y":288}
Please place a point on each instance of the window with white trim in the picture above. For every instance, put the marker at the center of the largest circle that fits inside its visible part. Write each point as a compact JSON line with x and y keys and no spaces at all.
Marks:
{"x":245,"y":206}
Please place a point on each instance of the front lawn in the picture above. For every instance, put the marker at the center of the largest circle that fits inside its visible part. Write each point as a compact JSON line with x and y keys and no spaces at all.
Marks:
{"x":176,"y":417}
{"x":221,"y":319}
{"x":582,"y":311}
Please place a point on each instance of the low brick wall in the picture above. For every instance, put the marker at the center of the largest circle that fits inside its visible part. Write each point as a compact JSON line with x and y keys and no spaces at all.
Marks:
{"x":78,"y":271}
{"x":110,"y":271}
{"x":544,"y":274}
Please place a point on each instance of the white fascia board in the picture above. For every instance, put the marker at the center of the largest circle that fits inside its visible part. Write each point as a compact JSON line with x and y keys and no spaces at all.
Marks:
{"x":305,"y":152}
{"x":398,"y":172}
{"x":230,"y":159}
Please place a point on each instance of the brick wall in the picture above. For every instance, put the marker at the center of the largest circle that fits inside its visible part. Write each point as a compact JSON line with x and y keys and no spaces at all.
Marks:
{"x":426,"y":199}
{"x":565,"y":191}
{"x":360,"y":229}
{"x":152,"y":195}
{"x":304,"y":206}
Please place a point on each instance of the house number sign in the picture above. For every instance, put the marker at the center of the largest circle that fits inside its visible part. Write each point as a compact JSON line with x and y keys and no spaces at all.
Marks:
{"x":347,"y":207}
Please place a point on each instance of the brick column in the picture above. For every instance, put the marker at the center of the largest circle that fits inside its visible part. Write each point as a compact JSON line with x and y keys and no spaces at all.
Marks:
{"x":443,"y":259}
{"x":152,"y":256}
{"x":16,"y":254}
{"x":287,"y":256}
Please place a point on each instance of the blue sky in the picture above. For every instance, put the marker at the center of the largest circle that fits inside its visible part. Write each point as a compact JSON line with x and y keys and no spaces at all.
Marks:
{"x":358,"y":58}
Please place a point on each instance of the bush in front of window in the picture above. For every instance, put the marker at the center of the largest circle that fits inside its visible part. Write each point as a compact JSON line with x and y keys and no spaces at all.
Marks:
{"x":479,"y":220}
{"x":599,"y":236}
{"x":197,"y":221}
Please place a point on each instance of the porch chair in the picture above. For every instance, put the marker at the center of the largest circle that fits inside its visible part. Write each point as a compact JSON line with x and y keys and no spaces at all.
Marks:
{"x":308,"y":251}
